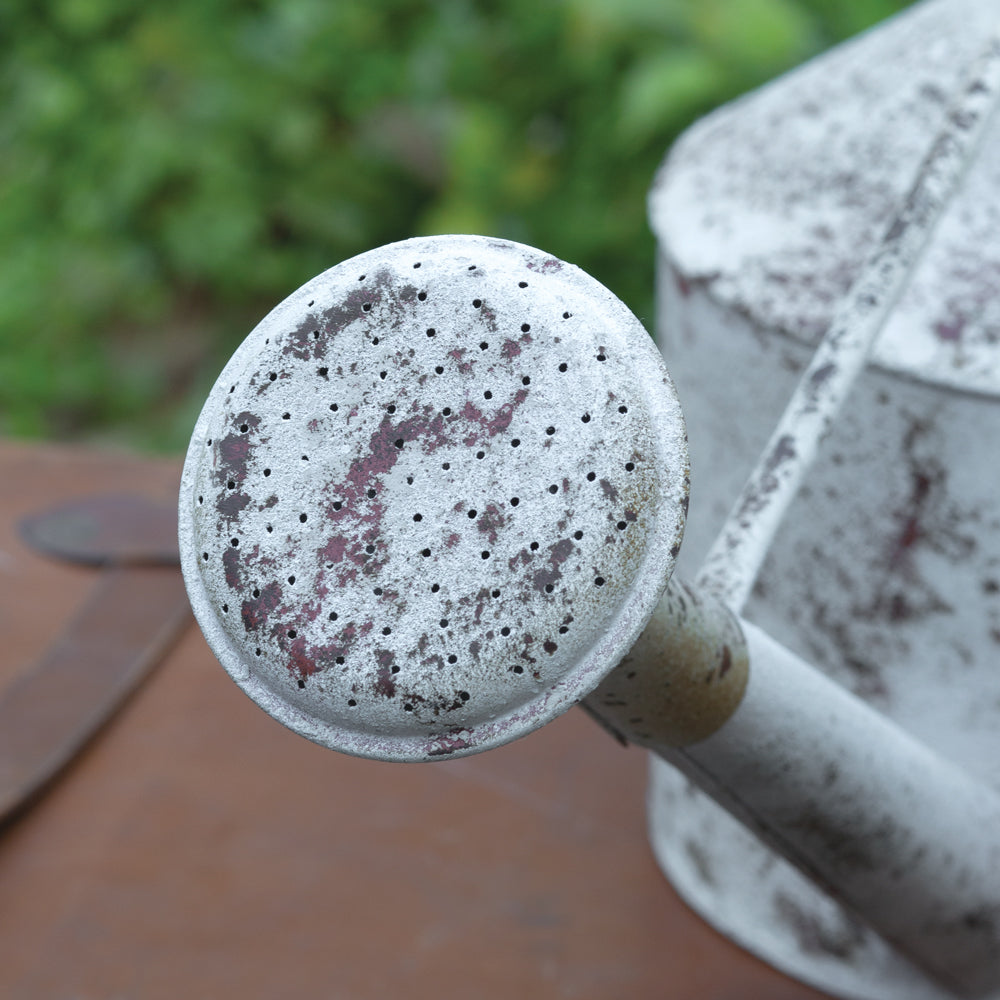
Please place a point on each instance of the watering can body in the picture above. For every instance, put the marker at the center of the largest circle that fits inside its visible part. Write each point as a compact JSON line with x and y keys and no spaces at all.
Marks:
{"x":469,"y":557}
{"x":886,"y":571}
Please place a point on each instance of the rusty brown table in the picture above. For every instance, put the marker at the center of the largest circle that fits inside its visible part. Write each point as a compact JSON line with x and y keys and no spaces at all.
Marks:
{"x":197,"y":848}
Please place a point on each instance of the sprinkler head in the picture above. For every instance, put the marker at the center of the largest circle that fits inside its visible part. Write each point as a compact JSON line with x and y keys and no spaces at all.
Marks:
{"x":433,"y":498}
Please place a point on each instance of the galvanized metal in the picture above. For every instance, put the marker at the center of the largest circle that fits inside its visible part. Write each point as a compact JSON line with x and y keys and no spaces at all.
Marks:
{"x":884,"y":572}
{"x":682,"y":680}
{"x":734,"y":560}
{"x":433,"y":498}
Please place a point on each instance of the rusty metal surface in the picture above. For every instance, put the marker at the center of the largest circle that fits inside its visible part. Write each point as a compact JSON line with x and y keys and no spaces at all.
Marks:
{"x":684,"y":677}
{"x":859,"y":318}
{"x":840,"y":137}
{"x":196,"y":848}
{"x":884,"y":573}
{"x":433,"y":498}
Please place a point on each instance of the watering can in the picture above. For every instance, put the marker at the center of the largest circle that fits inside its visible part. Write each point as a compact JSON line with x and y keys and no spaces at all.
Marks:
{"x":438,"y":495}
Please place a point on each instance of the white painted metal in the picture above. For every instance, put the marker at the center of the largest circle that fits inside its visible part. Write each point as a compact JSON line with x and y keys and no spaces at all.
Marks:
{"x":434,"y":495}
{"x":908,"y":841}
{"x":885,"y":572}
{"x":742,"y":544}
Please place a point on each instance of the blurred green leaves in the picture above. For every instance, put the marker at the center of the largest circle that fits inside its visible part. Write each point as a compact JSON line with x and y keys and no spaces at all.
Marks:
{"x":169,"y":171}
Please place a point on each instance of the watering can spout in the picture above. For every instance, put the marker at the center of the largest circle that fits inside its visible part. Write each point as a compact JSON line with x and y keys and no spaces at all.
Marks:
{"x":435,"y":500}
{"x":904,"y":839}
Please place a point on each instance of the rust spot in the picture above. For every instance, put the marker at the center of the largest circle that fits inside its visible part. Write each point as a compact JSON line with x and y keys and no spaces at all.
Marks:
{"x":727,"y":662}
{"x":490,"y":522}
{"x":255,"y":612}
{"x":233,"y":568}
{"x":558,"y":554}
{"x":300,"y":662}
{"x":232,"y":454}
{"x":385,"y":683}
{"x":610,"y":493}
{"x":441,"y":746}
{"x":817,"y":937}
{"x":548,"y":266}
{"x":511,"y":349}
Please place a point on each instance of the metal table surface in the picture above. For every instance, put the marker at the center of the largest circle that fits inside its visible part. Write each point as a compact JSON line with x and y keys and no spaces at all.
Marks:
{"x":197,"y":848}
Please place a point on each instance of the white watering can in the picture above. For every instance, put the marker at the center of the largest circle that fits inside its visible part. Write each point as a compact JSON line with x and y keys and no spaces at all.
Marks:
{"x":437,"y":495}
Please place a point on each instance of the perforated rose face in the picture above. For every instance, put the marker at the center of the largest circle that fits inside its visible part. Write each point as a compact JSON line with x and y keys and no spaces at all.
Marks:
{"x":433,"y":498}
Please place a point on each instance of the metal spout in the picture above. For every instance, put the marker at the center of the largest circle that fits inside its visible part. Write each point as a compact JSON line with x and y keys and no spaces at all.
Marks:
{"x":433,"y":501}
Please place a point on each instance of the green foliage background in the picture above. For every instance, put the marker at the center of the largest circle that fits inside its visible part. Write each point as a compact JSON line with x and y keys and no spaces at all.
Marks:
{"x":171,"y":170}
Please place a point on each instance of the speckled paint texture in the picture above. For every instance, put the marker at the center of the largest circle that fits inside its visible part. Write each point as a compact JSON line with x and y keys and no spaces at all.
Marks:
{"x":885,"y":572}
{"x":433,"y":498}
